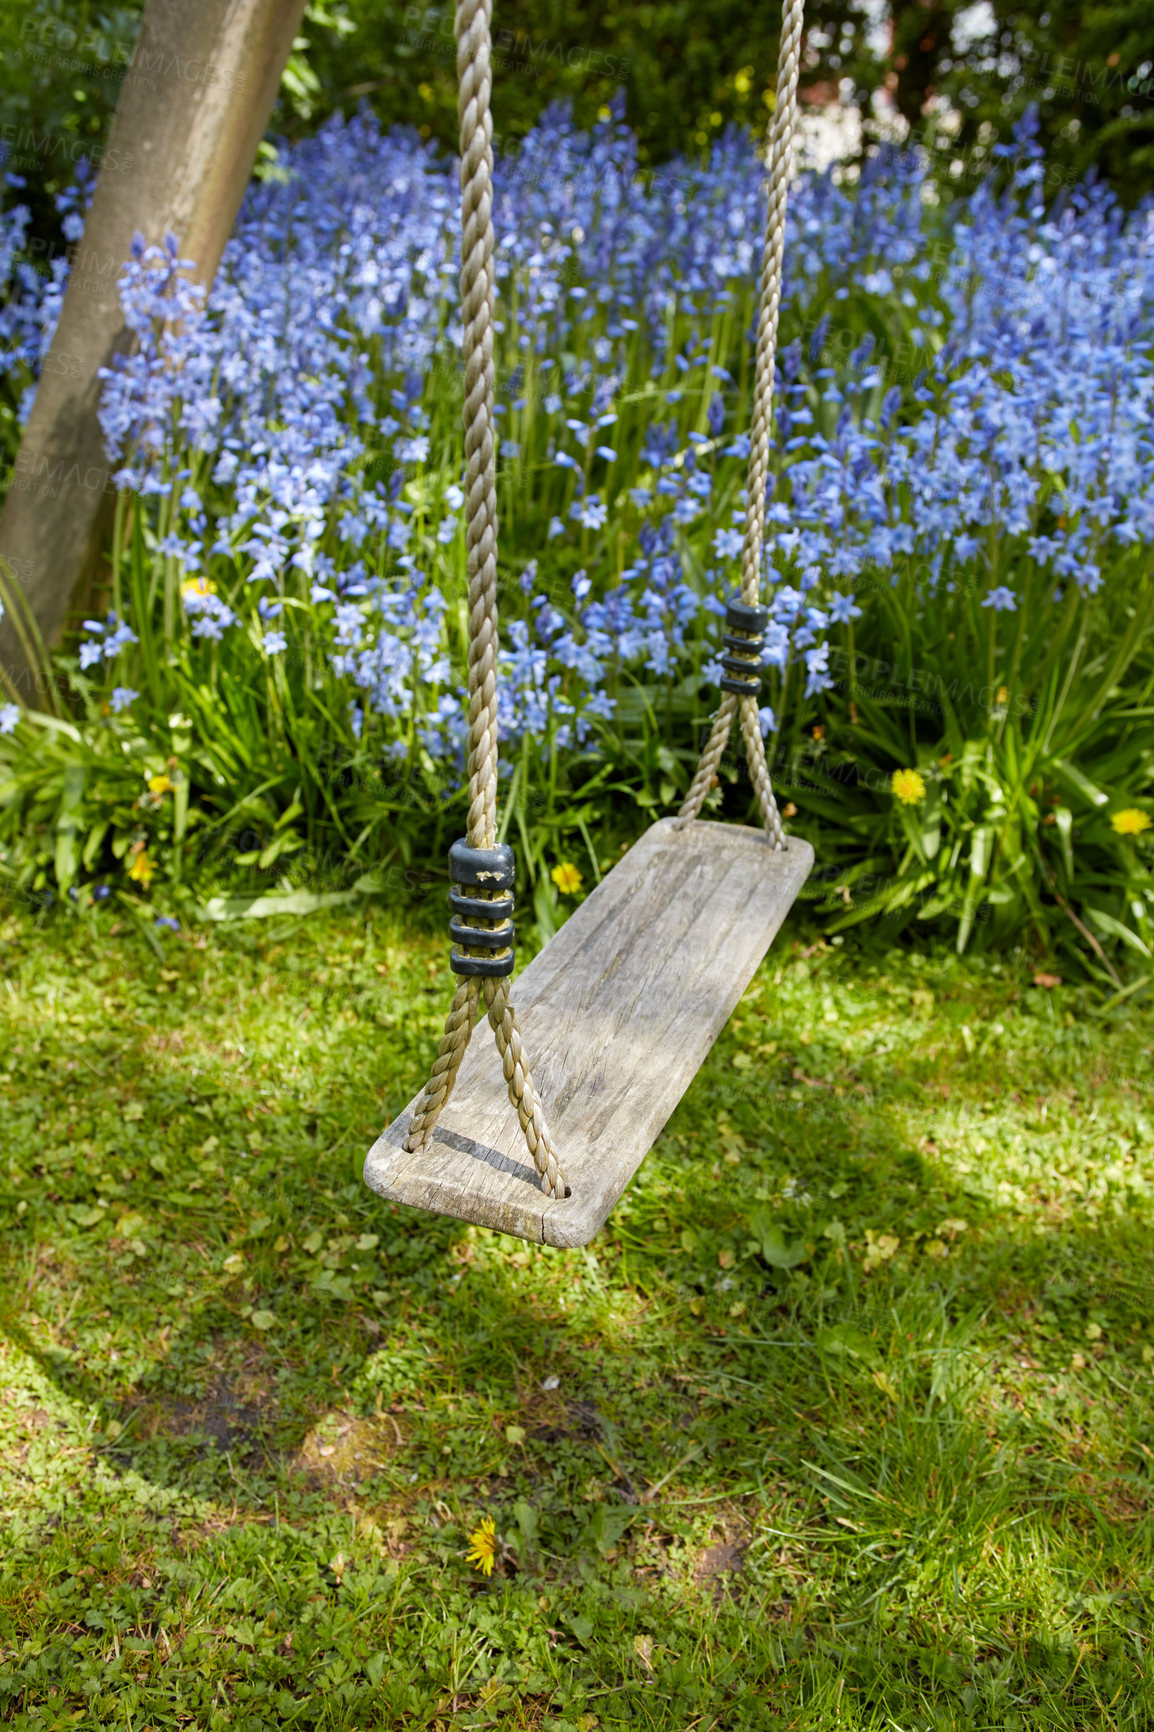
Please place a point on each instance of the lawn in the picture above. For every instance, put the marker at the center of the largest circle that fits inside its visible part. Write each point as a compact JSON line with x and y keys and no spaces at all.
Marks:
{"x":845,"y":1419}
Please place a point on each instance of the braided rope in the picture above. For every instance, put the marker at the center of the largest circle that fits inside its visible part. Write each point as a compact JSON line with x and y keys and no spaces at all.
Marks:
{"x":477,"y":280}
{"x":521,"y":1091}
{"x":458,"y":1028}
{"x":780,"y":162}
{"x":780,"y":153}
{"x":710,"y":757}
{"x":478,"y":277}
{"x":759,"y":770}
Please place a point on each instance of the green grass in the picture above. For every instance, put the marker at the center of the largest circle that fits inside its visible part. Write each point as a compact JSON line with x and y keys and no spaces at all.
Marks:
{"x":249,"y":1415}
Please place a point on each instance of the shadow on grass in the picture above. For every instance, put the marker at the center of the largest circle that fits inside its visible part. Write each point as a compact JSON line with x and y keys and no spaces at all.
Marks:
{"x":923,"y":1457}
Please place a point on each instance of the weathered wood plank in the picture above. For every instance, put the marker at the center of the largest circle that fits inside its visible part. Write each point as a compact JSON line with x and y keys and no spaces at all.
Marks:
{"x":618,"y":1013}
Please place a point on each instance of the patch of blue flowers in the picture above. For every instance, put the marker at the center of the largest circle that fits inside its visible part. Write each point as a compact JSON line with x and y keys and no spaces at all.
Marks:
{"x":965,"y":396}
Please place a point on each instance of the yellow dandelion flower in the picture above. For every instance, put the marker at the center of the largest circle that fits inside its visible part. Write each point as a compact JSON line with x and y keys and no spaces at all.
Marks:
{"x":483,"y":1547}
{"x":198,"y":586}
{"x":142,"y":868}
{"x":567,"y":878}
{"x":1003,"y":696}
{"x":159,"y":784}
{"x":908,"y":786}
{"x":1131,"y":822}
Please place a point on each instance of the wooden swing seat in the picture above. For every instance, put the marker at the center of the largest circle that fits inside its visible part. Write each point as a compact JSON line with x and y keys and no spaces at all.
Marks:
{"x":618,"y":1013}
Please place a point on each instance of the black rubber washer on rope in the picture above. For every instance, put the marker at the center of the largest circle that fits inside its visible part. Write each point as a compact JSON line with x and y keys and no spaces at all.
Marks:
{"x":485,"y":868}
{"x":483,"y":967}
{"x":750,"y":647}
{"x":746,"y":639}
{"x":742,"y":665}
{"x":741,"y":677}
{"x":481,"y":907}
{"x":481,"y":937}
{"x":741,"y":616}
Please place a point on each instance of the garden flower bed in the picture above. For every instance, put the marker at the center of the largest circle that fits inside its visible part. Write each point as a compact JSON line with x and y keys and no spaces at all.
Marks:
{"x":958,"y":679}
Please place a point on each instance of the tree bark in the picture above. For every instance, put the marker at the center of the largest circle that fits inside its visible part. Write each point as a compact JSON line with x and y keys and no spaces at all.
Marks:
{"x":194,"y":106}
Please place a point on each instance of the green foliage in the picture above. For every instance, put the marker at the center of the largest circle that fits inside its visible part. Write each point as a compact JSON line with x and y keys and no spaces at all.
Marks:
{"x":64,"y":65}
{"x":252,"y":1415}
{"x":1029,"y":742}
{"x":686,"y":71}
{"x":1088,"y":70}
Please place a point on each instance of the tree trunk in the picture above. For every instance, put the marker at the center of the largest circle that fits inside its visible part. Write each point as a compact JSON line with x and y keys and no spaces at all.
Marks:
{"x":194,"y":107}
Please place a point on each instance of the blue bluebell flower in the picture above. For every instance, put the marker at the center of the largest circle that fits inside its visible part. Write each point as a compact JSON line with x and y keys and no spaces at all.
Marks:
{"x":842,"y":608}
{"x":590,"y":513}
{"x":727,"y":543}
